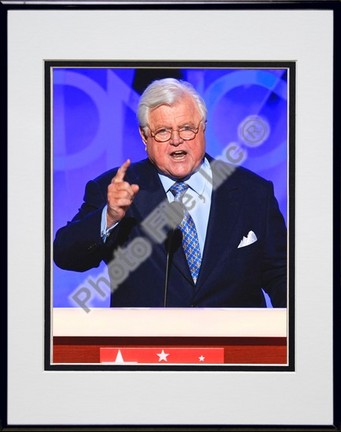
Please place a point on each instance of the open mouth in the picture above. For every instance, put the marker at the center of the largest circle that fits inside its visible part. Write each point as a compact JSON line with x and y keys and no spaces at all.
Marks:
{"x":178,"y":155}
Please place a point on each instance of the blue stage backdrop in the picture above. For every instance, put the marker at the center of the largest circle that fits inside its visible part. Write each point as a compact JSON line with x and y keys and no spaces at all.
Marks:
{"x":95,"y":129}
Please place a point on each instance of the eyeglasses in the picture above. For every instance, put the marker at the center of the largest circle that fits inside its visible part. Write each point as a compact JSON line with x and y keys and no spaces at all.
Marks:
{"x":187,"y":133}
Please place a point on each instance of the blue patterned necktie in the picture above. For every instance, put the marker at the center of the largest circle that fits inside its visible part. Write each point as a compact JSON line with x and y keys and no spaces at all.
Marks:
{"x":190,"y":242}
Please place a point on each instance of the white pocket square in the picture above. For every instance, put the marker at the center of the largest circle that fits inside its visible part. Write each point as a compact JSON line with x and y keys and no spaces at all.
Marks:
{"x":249,"y":239}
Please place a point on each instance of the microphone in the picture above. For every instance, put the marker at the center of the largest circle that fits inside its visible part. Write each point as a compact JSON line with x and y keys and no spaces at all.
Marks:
{"x":175,"y":214}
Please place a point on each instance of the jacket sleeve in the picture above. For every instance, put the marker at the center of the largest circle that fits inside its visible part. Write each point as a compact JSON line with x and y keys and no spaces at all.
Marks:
{"x":274,"y":263}
{"x":78,"y":246}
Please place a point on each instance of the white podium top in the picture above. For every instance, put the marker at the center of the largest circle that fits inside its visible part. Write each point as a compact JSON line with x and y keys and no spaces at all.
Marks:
{"x":196,"y":322}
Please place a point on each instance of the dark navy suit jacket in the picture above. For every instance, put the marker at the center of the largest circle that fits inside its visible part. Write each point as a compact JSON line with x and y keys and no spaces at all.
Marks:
{"x":229,"y":276}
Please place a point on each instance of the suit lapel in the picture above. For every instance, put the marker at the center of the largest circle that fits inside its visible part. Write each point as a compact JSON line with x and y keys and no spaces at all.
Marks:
{"x":220,"y":238}
{"x":149,"y":197}
{"x":151,"y":192}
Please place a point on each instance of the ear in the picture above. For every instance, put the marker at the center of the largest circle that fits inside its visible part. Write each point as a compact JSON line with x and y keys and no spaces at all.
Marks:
{"x":143,"y":135}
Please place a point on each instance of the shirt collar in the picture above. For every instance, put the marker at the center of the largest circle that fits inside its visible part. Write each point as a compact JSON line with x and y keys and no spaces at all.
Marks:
{"x":196,"y":181}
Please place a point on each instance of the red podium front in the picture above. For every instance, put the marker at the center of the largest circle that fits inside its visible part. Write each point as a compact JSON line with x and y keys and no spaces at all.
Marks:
{"x":158,"y":336}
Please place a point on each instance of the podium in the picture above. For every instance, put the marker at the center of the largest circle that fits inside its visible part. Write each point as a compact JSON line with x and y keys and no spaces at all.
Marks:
{"x":245,"y":336}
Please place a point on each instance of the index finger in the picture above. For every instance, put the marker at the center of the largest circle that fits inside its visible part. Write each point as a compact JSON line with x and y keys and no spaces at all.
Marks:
{"x":121,"y":172}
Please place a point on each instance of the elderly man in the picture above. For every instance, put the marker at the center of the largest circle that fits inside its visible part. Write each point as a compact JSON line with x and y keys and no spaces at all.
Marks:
{"x":223,"y":247}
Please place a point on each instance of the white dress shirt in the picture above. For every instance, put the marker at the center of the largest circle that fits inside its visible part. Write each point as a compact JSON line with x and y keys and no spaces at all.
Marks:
{"x":199,"y":206}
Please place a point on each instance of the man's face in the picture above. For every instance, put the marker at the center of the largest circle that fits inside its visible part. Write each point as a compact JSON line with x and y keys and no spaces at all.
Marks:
{"x":176,"y":157}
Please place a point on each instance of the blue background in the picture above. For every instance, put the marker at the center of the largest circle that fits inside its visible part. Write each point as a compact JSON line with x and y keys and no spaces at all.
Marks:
{"x":95,"y":129}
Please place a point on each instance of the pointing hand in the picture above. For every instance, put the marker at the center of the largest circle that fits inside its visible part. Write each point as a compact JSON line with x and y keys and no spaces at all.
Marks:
{"x":120,"y":195}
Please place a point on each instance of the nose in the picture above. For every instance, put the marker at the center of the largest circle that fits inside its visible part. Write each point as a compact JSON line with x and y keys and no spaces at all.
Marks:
{"x":175,"y":138}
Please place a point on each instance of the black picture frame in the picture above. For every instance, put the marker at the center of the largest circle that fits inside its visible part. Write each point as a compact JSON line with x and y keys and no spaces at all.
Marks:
{"x":333,"y":6}
{"x":164,"y":68}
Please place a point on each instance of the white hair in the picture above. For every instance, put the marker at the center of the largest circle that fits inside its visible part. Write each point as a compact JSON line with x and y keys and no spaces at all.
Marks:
{"x":167,"y":91}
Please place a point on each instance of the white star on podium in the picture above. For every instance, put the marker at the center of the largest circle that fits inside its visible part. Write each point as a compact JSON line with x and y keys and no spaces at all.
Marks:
{"x":119,"y":357}
{"x":162,"y":356}
{"x":201,"y":358}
